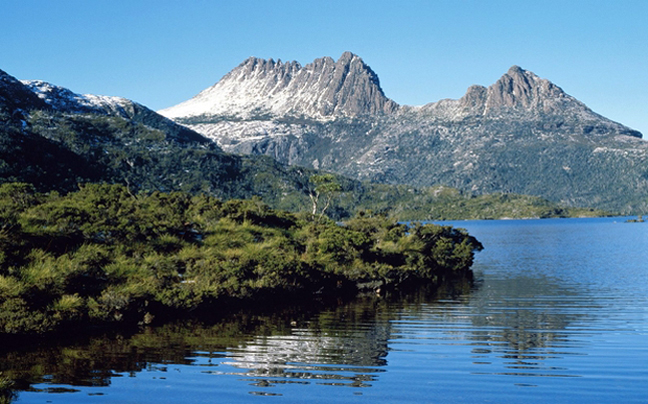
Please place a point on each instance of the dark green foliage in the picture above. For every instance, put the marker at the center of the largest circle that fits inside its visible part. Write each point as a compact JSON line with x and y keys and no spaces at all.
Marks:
{"x":103,"y":254}
{"x":407,"y":203}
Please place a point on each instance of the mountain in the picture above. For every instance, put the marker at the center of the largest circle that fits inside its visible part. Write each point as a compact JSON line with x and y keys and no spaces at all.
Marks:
{"x":323,"y":89}
{"x":56,"y":139}
{"x":61,"y":99}
{"x":523,"y":134}
{"x":520,"y":94}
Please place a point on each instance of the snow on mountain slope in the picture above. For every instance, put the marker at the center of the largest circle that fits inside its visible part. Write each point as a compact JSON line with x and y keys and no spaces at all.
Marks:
{"x":320,"y":90}
{"x":522,"y":134}
{"x":62,"y":99}
{"x":15,"y":96}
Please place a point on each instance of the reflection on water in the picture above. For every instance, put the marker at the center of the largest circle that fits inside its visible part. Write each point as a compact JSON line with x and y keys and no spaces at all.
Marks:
{"x":527,"y":320}
{"x":341,"y":348}
{"x":558,"y":314}
{"x":337,"y":356}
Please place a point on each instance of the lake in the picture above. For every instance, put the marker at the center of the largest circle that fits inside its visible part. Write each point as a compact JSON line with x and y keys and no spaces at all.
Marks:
{"x":558,"y":313}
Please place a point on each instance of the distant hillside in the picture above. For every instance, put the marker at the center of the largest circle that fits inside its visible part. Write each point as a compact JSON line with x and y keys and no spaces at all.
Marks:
{"x":56,"y":139}
{"x":522,"y":135}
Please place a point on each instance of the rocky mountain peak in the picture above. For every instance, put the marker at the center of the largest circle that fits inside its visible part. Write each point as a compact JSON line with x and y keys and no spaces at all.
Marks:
{"x":517,"y":93}
{"x":323,"y":89}
{"x":514,"y":70}
{"x":254,"y":67}
{"x":522,"y":89}
{"x":347,"y":57}
{"x":348,"y":87}
{"x":245,"y":103}
{"x":475,"y":99}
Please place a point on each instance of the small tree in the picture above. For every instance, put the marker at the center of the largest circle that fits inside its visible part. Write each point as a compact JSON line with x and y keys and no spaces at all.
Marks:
{"x":325,"y":187}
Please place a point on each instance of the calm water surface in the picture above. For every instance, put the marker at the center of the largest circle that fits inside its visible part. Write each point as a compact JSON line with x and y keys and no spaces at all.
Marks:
{"x":559,"y":314}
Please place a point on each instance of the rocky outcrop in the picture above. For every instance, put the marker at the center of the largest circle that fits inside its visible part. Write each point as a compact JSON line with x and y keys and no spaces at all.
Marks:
{"x":521,"y":96}
{"x":519,"y":89}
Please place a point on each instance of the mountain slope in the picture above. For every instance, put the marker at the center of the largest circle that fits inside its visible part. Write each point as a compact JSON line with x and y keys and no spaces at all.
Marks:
{"x":56,"y":139}
{"x":63,"y":100}
{"x":16,"y":99}
{"x":520,"y":94}
{"x":522,"y":134}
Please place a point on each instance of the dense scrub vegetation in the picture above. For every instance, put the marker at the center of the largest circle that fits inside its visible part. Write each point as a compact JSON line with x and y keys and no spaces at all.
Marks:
{"x":404,"y":202}
{"x":104,"y":254}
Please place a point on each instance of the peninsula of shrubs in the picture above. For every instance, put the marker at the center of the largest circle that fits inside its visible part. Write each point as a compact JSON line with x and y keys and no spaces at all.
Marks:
{"x":104,"y":255}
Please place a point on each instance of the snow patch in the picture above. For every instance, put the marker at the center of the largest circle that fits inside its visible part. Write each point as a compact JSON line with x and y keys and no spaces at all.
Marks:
{"x":62,"y":99}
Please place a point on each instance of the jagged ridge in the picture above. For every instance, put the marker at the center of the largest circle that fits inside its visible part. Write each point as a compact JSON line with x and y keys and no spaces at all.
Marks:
{"x":322,"y":89}
{"x":520,"y":94}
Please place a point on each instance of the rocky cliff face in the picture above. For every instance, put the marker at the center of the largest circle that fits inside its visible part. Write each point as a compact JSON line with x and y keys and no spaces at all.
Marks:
{"x":522,"y":134}
{"x":519,"y":89}
{"x":517,"y":92}
{"x":321,"y":90}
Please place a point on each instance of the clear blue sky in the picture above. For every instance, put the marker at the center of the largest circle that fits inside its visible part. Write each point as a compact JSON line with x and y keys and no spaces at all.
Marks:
{"x":160,"y":52}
